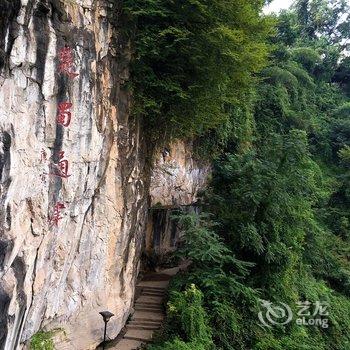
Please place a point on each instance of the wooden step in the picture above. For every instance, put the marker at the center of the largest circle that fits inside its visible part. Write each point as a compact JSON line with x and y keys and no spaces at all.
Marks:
{"x":150,"y":290}
{"x":146,"y":320}
{"x":150,"y":299}
{"x":145,"y":323}
{"x":152,"y":284}
{"x":148,"y":303}
{"x":148,"y":307}
{"x":149,"y":312}
{"x":154,"y":289}
{"x":156,"y":294}
{"x":143,"y":327}
{"x":147,"y":316}
{"x":128,"y":344}
{"x":139,"y":334}
{"x":160,"y":311}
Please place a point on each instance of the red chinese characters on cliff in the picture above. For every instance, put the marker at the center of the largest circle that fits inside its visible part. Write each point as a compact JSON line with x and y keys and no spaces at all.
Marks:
{"x":56,"y":217}
{"x":66,"y":62}
{"x":64,"y":115}
{"x":61,"y":169}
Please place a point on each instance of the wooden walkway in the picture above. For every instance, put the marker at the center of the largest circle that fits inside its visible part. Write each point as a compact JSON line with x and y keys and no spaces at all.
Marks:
{"x":149,"y":311}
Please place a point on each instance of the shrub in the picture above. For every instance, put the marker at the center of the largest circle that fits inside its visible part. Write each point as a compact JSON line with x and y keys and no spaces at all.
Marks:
{"x":42,"y":341}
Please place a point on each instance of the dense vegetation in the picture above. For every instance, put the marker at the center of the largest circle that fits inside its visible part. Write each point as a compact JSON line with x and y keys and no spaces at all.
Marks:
{"x":193,"y":60}
{"x":275,"y":222}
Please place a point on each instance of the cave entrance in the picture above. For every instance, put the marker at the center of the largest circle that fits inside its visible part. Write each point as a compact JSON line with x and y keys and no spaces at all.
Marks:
{"x":163,"y":235}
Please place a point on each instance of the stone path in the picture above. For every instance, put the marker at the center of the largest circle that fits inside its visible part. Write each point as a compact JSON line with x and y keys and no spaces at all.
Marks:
{"x":149,"y":312}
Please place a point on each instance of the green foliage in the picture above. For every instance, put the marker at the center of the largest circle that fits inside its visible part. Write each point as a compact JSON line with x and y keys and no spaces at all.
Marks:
{"x":42,"y":341}
{"x":342,"y":75}
{"x":275,"y":220}
{"x":187,"y":320}
{"x":288,"y":28}
{"x":343,"y":111}
{"x":265,"y":203}
{"x":193,"y":61}
{"x":214,"y":268}
{"x":186,"y":308}
{"x":177,"y":344}
{"x":307,"y":57}
{"x":344,"y":154}
{"x":327,"y":20}
{"x":203,"y":246}
{"x":229,"y":331}
{"x":217,"y":273}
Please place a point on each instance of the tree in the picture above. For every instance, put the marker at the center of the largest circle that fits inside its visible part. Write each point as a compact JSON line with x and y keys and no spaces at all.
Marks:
{"x":326,"y":20}
{"x":193,"y":60}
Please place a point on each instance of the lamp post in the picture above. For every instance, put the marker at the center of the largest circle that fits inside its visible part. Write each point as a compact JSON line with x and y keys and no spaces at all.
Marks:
{"x":106,"y":317}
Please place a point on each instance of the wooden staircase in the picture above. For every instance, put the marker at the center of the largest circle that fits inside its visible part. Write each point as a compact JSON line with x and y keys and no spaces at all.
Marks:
{"x":149,"y":311}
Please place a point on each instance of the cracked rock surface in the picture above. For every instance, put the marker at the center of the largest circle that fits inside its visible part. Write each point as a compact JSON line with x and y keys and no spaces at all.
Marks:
{"x":60,"y":277}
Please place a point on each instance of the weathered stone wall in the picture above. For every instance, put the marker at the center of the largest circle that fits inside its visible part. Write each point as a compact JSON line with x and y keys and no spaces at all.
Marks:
{"x":60,"y":277}
{"x":164,"y":234}
{"x":176,"y":179}
{"x":177,"y":176}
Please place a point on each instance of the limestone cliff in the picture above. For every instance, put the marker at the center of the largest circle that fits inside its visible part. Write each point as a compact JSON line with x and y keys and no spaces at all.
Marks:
{"x":177,"y":176}
{"x":74,"y":180}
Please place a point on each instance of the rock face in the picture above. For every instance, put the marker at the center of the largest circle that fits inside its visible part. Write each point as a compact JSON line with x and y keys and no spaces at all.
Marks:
{"x":177,"y":177}
{"x":74,"y":181}
{"x":164,"y":234}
